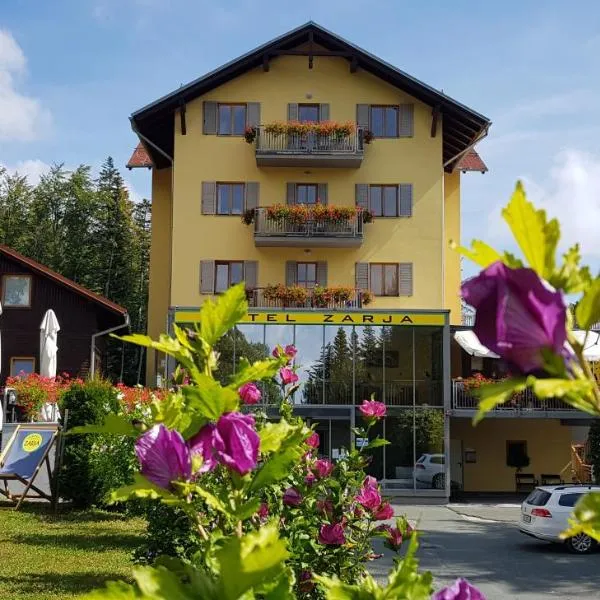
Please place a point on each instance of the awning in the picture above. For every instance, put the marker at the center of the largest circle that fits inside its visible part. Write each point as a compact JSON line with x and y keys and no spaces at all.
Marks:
{"x":471,"y":345}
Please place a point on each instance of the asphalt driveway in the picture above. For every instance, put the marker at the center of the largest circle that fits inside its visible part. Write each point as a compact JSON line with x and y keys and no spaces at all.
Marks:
{"x":483,"y":545}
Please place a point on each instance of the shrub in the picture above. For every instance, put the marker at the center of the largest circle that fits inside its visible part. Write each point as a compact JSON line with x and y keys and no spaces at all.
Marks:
{"x":594,"y":449}
{"x":92,"y":465}
{"x":34,"y":390}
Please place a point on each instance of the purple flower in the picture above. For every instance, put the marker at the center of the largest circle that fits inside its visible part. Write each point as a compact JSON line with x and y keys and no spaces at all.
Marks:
{"x":461,"y":590}
{"x":249,"y":393}
{"x":263,"y":511}
{"x":369,"y":497}
{"x":310,"y":479}
{"x":393,"y":538}
{"x":164,"y":456}
{"x":287,"y":376}
{"x":323,"y":467}
{"x":325,"y":506}
{"x":383,"y":512}
{"x":371,"y":409}
{"x":332,"y":535}
{"x":370,"y":481}
{"x":292,"y":497}
{"x":313,"y":440}
{"x":232,"y":442}
{"x":288,"y":352}
{"x":517,"y":315}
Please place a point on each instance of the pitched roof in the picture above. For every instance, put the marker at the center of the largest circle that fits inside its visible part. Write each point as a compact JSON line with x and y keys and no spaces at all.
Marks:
{"x":471,"y":161}
{"x":50,"y":274}
{"x":139,"y":159}
{"x":462,"y":125}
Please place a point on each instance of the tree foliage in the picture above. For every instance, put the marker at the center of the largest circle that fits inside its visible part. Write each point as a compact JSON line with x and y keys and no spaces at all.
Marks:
{"x":90,"y":231}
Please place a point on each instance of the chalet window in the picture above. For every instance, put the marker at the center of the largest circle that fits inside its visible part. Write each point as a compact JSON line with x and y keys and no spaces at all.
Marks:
{"x":384,"y":121}
{"x":232,"y":119}
{"x":16,"y":291}
{"x":230,"y":198}
{"x":22,"y":364}
{"x":228,"y":274}
{"x":306,"y":274}
{"x":309,"y":113}
{"x":384,"y":279}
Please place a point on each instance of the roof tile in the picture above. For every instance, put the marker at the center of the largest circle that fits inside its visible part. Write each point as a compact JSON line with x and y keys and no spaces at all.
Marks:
{"x":471,"y":161}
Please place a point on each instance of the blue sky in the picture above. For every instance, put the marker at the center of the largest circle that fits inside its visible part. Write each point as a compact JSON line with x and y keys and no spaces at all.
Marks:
{"x":72,"y":71}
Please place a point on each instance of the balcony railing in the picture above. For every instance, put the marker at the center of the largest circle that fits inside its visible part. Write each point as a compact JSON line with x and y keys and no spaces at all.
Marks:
{"x":468,"y":319}
{"x":310,"y":149}
{"x":341,"y":233}
{"x":257,"y":299}
{"x":523,"y":402}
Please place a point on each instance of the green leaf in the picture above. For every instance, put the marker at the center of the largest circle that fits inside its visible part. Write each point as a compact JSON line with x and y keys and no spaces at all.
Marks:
{"x":272,"y":435}
{"x":376,"y":443}
{"x":113,"y":424}
{"x":588,"y":308}
{"x":494,"y":394}
{"x":160,"y":583}
{"x":480,"y":253}
{"x":142,"y":488}
{"x":250,"y":561}
{"x":576,"y":392}
{"x":114,"y":590}
{"x":586,"y":517}
{"x":278,"y":465}
{"x":166,"y":344}
{"x":211,"y":500}
{"x":571,"y":278}
{"x":209,"y":398}
{"x":216,"y":318}
{"x":405,"y":581}
{"x":536,"y":237}
{"x":257,"y":371}
{"x":281,"y":589}
{"x":247,"y":510}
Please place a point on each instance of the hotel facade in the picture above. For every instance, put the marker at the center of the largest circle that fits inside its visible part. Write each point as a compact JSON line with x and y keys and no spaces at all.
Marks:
{"x":329,"y":182}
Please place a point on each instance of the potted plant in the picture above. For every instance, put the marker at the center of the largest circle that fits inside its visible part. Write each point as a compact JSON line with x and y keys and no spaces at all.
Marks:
{"x":367,"y":136}
{"x":248,"y":216}
{"x":250,"y":134}
{"x":367,"y":216}
{"x":366,"y":297}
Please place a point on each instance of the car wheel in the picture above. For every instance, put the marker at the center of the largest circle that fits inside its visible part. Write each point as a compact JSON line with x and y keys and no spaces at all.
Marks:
{"x":439,"y":481}
{"x":580,"y":544}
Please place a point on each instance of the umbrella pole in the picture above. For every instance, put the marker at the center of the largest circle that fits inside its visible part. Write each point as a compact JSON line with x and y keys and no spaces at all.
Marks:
{"x":58,"y":460}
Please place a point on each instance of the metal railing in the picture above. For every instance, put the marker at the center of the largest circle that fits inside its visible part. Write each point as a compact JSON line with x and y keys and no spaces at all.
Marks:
{"x":266,"y":226}
{"x":468,"y":319}
{"x":257,"y":299}
{"x":269,"y":142}
{"x":525,"y":401}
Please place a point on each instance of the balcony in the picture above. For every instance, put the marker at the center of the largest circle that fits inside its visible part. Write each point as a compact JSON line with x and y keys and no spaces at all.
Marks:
{"x":524,"y":404}
{"x":280,"y":296}
{"x":280,"y":148}
{"x":287,"y":230}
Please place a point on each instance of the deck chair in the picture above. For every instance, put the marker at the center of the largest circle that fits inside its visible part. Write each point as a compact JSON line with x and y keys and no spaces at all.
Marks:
{"x":22,"y":458}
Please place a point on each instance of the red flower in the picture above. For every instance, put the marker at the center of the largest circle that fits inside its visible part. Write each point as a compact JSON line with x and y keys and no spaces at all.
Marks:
{"x":332,"y":535}
{"x":313,"y":440}
{"x":385,"y":511}
{"x":323,"y":468}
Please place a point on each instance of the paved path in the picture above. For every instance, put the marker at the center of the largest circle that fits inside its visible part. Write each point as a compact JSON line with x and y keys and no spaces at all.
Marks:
{"x":482,"y":544}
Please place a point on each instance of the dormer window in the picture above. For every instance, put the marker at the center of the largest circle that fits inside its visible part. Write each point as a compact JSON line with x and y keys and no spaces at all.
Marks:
{"x":16,"y":291}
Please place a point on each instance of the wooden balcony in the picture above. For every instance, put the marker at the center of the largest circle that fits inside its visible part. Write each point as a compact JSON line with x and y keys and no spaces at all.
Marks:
{"x":284,"y":232}
{"x":309,"y":150}
{"x":258,"y":299}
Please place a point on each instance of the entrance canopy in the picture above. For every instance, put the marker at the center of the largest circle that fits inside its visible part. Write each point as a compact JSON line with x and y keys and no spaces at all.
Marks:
{"x":471,"y":345}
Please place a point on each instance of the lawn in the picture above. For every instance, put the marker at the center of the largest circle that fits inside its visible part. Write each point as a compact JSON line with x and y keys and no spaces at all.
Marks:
{"x":46,"y":556}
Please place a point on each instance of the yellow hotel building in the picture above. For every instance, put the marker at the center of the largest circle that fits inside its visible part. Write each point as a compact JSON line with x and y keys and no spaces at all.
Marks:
{"x":328,"y":181}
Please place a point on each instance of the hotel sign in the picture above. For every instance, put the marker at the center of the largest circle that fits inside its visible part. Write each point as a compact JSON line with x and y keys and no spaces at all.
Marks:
{"x":325,"y":318}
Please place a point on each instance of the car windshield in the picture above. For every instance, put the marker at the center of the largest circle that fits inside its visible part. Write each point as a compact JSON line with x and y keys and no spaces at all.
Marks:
{"x":422,"y":459}
{"x":538,"y":497}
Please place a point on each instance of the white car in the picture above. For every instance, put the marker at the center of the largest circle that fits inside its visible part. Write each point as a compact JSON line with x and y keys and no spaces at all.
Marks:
{"x":429,"y":469}
{"x":545,"y":514}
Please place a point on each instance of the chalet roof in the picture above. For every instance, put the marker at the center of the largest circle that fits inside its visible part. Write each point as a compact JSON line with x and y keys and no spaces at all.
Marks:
{"x":462,"y":125}
{"x":56,"y":277}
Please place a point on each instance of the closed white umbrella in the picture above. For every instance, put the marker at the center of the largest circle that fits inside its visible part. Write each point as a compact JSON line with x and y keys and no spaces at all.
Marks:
{"x":49,"y":329}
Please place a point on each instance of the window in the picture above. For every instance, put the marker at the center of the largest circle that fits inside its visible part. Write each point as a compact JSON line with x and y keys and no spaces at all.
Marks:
{"x":538,"y":497}
{"x":384,"y":279}
{"x":22,"y":364}
{"x":516,"y":454}
{"x":383,"y":200}
{"x":308,"y":113}
{"x":232,"y":119}
{"x":230,"y":198}
{"x":228,"y":274}
{"x":306,"y":193}
{"x":569,"y":499}
{"x":306,"y":274}
{"x":16,"y":291}
{"x":383,"y":121}
{"x":437,"y":459}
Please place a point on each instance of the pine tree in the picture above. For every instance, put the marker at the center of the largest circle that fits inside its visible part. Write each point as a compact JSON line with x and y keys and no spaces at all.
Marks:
{"x":15,"y":204}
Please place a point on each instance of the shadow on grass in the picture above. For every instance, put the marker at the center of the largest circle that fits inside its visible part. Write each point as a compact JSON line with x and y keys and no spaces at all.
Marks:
{"x":96,"y":542}
{"x":54,"y":585}
{"x":66,"y":513}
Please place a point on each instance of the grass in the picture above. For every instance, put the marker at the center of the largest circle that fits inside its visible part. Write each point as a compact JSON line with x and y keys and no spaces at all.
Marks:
{"x":47,"y":556}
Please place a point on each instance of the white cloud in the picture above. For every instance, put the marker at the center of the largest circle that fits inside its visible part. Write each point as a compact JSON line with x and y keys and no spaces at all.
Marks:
{"x":571,"y":193}
{"x":32,"y":169}
{"x":134,"y":195}
{"x":21,"y":117}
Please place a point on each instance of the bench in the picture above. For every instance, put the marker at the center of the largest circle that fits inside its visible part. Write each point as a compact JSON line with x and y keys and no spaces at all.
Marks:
{"x":551,"y":479}
{"x":525,"y":482}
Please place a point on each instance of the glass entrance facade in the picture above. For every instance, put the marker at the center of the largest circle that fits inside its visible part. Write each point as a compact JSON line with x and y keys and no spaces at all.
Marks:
{"x":340,"y":365}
